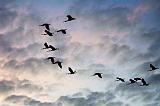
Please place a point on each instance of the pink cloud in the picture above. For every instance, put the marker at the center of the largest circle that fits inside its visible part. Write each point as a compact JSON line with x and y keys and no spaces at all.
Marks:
{"x":138,"y":11}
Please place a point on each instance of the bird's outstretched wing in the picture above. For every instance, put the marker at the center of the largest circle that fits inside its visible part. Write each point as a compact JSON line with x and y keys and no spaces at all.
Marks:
{"x":69,"y":16}
{"x":52,"y":47}
{"x":69,"y":68}
{"x":143,"y":81}
{"x":94,"y":74}
{"x":153,"y":67}
{"x":47,"y":27}
{"x":120,"y":79}
{"x":60,"y":65}
{"x":64,"y":31}
{"x":100,"y":75}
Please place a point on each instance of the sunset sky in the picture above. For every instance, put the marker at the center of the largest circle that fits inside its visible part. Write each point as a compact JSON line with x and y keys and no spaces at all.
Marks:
{"x":118,"y":38}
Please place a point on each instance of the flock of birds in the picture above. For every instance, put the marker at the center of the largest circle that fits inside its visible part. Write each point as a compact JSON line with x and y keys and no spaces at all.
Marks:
{"x":51,"y":47}
{"x":136,"y":79}
{"x":98,"y":74}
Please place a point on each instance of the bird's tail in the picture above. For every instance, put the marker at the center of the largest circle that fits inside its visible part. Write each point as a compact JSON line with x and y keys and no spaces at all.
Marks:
{"x":43,"y":34}
{"x":44,"y":48}
{"x":129,"y":83}
{"x":49,"y":50}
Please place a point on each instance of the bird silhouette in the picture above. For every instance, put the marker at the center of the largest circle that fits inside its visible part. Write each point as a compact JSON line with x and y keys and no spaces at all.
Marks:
{"x":136,"y":79}
{"x":132,"y":81}
{"x":62,"y":30}
{"x":46,"y":26}
{"x":52,"y":48}
{"x":46,"y":45}
{"x":70,"y":18}
{"x":59,"y":64}
{"x":52,"y":59}
{"x":48,"y":33}
{"x":120,"y":79}
{"x":153,"y":67}
{"x":144,"y":83}
{"x":71,"y":71}
{"x":98,"y":74}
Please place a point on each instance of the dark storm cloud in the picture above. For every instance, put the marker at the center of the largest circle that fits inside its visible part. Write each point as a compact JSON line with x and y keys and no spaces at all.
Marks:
{"x":6,"y":2}
{"x":31,"y":65}
{"x":32,"y":50}
{"x":17,"y":31}
{"x":155,"y":38}
{"x":6,"y":86}
{"x":100,"y":14}
{"x":5,"y":48}
{"x":25,"y":101}
{"x":152,"y":56}
{"x":93,"y":99}
{"x":6,"y":15}
{"x":28,"y":86}
{"x":6,"y":18}
{"x":115,"y":104}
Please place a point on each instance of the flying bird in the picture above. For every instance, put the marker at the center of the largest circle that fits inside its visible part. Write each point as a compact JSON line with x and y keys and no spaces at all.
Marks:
{"x":52,"y":48}
{"x":120,"y":79}
{"x":98,"y":74}
{"x":144,"y":83}
{"x":48,"y":33}
{"x":71,"y":71}
{"x":70,"y":18}
{"x":52,"y":59}
{"x":132,"y":81}
{"x":59,"y":64}
{"x":46,"y":26}
{"x":46,"y":45}
{"x":62,"y":30}
{"x":153,"y":67}
{"x":136,"y":79}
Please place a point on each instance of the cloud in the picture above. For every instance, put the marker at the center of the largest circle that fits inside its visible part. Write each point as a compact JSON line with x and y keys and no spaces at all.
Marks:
{"x":126,"y":51}
{"x":6,"y":86}
{"x":93,"y":99}
{"x":110,"y":20}
{"x":7,"y":17}
{"x":25,"y":101}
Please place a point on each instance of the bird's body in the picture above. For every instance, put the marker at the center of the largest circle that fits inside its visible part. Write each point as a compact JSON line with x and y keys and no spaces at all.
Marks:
{"x":52,"y":59}
{"x":59,"y":64}
{"x":70,"y":18}
{"x":46,"y":46}
{"x":52,"y":48}
{"x":120,"y":79}
{"x":71,"y":71}
{"x":98,"y":74}
{"x":62,"y":30}
{"x":144,"y":83}
{"x":46,"y":26}
{"x":136,"y":79}
{"x":48,"y":33}
{"x":132,"y":81}
{"x":153,"y":67}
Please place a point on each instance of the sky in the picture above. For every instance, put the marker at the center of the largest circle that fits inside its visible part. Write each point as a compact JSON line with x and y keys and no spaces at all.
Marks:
{"x":118,"y":38}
